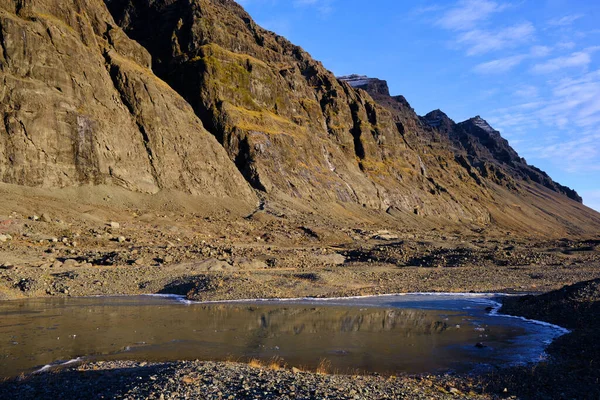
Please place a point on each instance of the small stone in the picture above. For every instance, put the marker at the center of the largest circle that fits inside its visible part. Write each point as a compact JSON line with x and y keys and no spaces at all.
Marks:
{"x":296,"y":370}
{"x":57,"y":264}
{"x":121,"y":239}
{"x":70,"y":263}
{"x":54,"y":240}
{"x":114,"y":225}
{"x":4,"y":238}
{"x":34,"y":218}
{"x":45,"y":218}
{"x":332,"y":259}
{"x":188,"y":380}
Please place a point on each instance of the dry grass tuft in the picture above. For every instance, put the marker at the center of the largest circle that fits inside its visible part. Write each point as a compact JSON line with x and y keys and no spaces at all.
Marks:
{"x":255,"y":363}
{"x":324,"y":367}
{"x":276,"y":364}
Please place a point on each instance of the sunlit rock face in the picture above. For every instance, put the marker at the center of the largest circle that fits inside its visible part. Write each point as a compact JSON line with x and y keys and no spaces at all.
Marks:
{"x":80,"y":105}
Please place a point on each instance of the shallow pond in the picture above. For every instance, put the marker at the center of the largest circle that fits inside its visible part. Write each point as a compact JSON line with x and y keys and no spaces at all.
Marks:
{"x":386,"y":334}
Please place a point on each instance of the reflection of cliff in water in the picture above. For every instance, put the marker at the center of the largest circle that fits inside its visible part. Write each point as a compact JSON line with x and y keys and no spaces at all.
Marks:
{"x":322,"y":320}
{"x":39,"y":331}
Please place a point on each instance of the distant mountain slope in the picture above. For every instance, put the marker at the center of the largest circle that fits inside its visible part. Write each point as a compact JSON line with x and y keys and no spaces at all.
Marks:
{"x":483,"y":146}
{"x":523,"y":197}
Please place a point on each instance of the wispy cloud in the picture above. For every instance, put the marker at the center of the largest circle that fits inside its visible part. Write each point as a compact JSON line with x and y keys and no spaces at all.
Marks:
{"x":575,"y":155}
{"x":466,"y":14}
{"x":505,"y":64}
{"x":468,"y":19}
{"x":481,"y":41}
{"x":565,"y":21}
{"x":571,"y":111}
{"x":557,"y":108}
{"x":499,"y":65}
{"x":579,"y":59}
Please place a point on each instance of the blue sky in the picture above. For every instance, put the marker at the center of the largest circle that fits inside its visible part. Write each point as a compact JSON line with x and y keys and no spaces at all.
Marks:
{"x":529,"y":67}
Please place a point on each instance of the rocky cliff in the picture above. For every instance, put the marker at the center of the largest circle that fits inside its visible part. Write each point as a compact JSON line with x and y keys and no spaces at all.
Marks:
{"x":192,"y":95}
{"x":80,"y":105}
{"x":474,"y":142}
{"x":292,"y":128}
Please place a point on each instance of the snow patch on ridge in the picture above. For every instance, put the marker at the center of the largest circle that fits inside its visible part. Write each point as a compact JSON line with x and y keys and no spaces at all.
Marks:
{"x":356,"y":80}
{"x":482,"y":123}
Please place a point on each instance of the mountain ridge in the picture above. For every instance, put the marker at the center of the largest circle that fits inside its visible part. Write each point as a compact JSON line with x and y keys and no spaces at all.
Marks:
{"x":195,"y":96}
{"x":475,"y":136}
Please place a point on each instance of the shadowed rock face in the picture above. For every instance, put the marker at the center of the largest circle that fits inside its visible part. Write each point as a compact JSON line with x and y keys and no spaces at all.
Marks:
{"x":80,"y":105}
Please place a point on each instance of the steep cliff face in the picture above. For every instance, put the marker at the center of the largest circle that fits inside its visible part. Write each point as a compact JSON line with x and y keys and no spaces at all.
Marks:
{"x":80,"y":105}
{"x":292,"y":128}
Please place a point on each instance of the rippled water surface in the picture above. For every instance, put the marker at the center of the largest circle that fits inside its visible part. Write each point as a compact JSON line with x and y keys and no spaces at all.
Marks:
{"x":386,"y":334}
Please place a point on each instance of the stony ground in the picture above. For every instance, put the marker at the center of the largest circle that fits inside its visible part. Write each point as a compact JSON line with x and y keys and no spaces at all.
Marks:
{"x":209,"y":380}
{"x":220,"y":255}
{"x":124,"y":243}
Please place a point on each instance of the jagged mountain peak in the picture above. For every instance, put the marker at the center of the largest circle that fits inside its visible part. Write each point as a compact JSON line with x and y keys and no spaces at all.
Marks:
{"x":371,"y":85}
{"x":474,"y":141}
{"x":482,"y":124}
{"x":435,"y":117}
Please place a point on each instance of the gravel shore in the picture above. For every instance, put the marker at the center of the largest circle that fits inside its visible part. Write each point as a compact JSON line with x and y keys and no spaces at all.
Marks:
{"x":211,"y":380}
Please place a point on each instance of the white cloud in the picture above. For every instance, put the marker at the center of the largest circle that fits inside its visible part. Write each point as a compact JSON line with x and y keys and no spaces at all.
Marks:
{"x":576,"y":155}
{"x":468,"y":13}
{"x":570,"y":115}
{"x":565,"y":21}
{"x":500,"y":65}
{"x":479,"y":41}
{"x":578,"y":59}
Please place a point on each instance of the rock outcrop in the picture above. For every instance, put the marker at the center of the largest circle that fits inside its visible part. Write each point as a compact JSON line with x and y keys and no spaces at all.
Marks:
{"x":80,"y":105}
